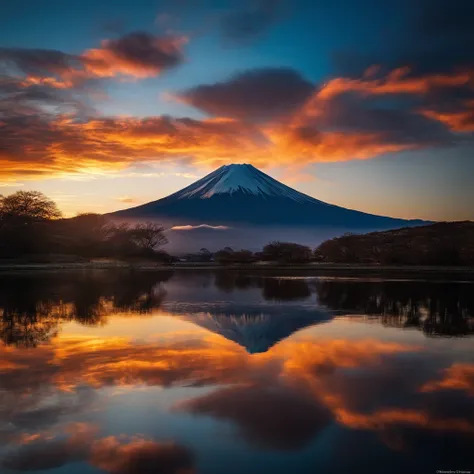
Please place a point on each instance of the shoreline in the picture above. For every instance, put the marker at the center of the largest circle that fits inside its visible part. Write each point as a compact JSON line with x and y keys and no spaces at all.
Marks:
{"x":311,"y":269}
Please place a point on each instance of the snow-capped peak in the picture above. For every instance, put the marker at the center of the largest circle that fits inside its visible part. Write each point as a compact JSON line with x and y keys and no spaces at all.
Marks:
{"x":245,"y":178}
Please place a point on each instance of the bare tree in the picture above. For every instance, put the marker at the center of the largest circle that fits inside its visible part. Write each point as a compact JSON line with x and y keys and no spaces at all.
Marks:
{"x":148,"y":235}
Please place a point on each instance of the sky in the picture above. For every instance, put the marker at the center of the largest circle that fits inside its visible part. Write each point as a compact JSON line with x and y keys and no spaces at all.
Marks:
{"x":360,"y":103}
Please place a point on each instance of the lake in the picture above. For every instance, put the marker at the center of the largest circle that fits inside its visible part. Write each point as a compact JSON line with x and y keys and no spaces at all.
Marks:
{"x":228,"y":372}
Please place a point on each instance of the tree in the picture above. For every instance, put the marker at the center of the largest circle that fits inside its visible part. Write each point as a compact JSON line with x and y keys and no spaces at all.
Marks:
{"x":205,"y":255}
{"x":287,"y":252}
{"x":27,"y":207}
{"x":148,"y":236}
{"x":140,"y":240}
{"x":33,"y":210}
{"x":227,"y":255}
{"x":86,"y":234}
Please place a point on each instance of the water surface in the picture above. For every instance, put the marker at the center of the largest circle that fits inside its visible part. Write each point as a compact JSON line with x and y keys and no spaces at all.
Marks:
{"x":232,"y":372}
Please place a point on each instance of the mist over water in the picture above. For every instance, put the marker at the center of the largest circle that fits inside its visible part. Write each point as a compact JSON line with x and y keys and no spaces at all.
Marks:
{"x":234,"y":371}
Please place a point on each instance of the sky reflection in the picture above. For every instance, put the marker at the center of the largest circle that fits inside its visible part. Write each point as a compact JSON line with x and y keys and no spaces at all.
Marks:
{"x":156,"y":391}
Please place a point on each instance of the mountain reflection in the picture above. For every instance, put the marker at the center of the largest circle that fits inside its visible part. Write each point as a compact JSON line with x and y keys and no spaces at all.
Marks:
{"x":255,"y":311}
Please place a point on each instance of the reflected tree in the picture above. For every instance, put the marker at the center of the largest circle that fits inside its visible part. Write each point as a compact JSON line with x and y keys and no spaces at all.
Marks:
{"x":32,"y":308}
{"x":438,"y":309}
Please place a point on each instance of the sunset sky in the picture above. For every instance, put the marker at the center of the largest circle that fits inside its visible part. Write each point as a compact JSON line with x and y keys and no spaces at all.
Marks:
{"x":361,"y":103}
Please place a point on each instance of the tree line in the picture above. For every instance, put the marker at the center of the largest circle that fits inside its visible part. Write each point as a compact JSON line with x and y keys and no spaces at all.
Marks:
{"x":443,"y":243}
{"x":31,"y":224}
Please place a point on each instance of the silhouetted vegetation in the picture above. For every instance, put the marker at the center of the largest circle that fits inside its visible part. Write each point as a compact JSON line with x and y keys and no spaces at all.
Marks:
{"x":32,"y":230}
{"x":286,"y":252}
{"x":227,"y":255}
{"x":31,"y":226}
{"x":26,"y":207}
{"x":437,"y":244}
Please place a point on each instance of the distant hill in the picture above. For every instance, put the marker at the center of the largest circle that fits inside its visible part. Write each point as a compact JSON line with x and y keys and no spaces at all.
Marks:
{"x":444,"y":243}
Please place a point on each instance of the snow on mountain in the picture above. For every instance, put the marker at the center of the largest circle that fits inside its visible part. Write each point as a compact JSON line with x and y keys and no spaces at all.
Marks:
{"x":245,"y":178}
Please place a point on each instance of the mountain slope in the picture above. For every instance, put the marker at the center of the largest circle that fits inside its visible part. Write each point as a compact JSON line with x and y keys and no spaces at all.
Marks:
{"x":243,"y":194}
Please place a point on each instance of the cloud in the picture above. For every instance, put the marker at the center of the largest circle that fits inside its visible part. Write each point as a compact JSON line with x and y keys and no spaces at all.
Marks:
{"x":62,"y":145}
{"x":456,"y":377}
{"x":138,"y":55}
{"x":416,"y":92}
{"x":127,"y":199}
{"x":201,"y":226}
{"x":75,"y":442}
{"x":397,"y":81}
{"x":139,"y":455}
{"x":458,"y":120}
{"x":43,"y":451}
{"x":41,"y":62}
{"x":431,"y":65}
{"x":135,"y":55}
{"x":117,"y":361}
{"x":14,"y":184}
{"x":272,"y":418}
{"x":268,"y":117}
{"x":257,"y":94}
{"x":281,"y":399}
{"x":245,"y":25}
{"x":437,"y":38}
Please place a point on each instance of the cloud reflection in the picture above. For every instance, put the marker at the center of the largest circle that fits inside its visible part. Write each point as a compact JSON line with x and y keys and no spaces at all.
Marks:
{"x":78,"y":442}
{"x":282,"y":399}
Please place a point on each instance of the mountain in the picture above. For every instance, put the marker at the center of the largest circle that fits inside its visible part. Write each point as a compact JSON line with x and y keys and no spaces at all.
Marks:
{"x":242,"y":194}
{"x":254,"y":327}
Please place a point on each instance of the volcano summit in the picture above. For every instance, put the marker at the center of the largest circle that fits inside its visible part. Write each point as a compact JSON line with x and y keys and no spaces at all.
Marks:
{"x":242,"y":194}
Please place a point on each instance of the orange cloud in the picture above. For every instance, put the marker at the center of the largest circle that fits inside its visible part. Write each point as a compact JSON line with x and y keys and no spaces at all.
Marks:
{"x":458,"y":120}
{"x":116,"y":456}
{"x":29,"y":81}
{"x":64,"y":146}
{"x":264,"y":117}
{"x":332,"y":146}
{"x":382,"y":419}
{"x":137,"y":55}
{"x":397,"y":81}
{"x":76,"y":441}
{"x":308,"y":383}
{"x":338,"y":353}
{"x":118,"y":361}
{"x":456,"y":377}
{"x":51,"y":449}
